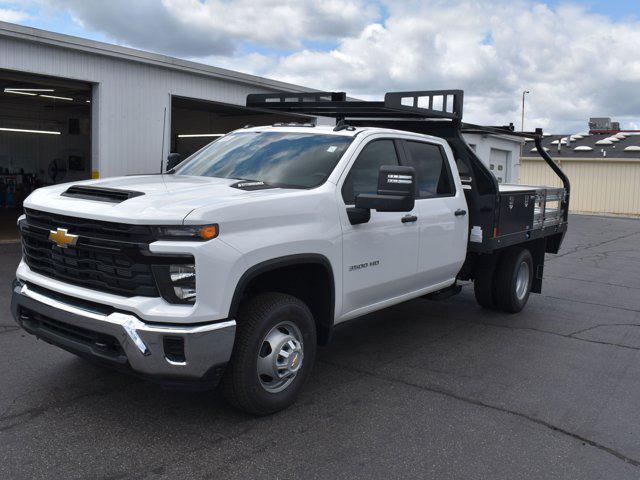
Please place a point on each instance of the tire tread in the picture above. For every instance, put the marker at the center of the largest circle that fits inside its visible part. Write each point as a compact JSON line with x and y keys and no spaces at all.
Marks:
{"x":504,"y":293}
{"x":251,"y":314}
{"x":484,"y":283}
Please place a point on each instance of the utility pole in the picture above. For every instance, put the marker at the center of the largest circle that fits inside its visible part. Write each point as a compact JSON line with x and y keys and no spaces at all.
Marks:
{"x":524,"y":92}
{"x":522,"y":120}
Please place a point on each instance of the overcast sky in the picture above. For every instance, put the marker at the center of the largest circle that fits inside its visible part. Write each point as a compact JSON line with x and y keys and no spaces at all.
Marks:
{"x":578,"y":59}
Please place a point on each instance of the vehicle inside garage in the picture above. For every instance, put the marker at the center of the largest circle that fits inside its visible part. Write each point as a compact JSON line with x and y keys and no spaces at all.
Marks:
{"x":45,"y":138}
{"x":196,"y":123}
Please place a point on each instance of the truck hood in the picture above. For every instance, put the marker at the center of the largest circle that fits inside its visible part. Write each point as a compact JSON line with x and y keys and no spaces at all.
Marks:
{"x":161,"y":199}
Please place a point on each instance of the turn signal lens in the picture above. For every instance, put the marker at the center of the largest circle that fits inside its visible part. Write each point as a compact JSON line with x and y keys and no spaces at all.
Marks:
{"x":209,"y":232}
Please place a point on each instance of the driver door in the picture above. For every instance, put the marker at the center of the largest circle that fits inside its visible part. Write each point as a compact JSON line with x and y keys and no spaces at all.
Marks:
{"x":379,"y":257}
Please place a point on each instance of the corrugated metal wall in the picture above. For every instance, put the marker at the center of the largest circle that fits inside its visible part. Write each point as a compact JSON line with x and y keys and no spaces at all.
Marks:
{"x":603,"y":186}
{"x":129,"y":99}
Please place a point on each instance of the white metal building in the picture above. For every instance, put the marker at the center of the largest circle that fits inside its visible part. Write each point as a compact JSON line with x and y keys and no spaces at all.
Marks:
{"x":501,"y":153}
{"x":128,"y":91}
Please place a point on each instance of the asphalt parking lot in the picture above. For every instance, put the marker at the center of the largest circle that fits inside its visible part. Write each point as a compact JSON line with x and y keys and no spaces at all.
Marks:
{"x":421,"y":390}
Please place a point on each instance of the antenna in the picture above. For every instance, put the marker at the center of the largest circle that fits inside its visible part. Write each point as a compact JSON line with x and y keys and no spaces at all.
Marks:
{"x":164,"y":125}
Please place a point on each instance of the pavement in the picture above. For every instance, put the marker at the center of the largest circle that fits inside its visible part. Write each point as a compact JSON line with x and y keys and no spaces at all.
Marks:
{"x":425,"y":389}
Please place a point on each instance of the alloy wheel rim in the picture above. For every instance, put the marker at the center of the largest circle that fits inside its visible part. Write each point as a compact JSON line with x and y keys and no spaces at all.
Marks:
{"x":280,"y":357}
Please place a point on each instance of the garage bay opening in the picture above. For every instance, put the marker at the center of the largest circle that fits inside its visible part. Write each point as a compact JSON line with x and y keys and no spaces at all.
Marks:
{"x":45,"y":138}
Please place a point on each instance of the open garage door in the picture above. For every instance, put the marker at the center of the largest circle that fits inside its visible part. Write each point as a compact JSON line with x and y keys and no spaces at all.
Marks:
{"x":45,"y":138}
{"x":195,"y":123}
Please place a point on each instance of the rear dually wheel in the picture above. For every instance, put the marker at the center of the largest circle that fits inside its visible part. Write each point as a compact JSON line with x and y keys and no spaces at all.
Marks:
{"x":513,"y":280}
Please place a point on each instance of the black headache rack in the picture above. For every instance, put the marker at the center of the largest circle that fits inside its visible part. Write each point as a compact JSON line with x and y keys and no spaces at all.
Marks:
{"x":445,"y":104}
{"x":507,"y":215}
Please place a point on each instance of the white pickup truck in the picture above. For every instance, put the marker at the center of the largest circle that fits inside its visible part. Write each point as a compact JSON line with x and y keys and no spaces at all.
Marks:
{"x":236,"y":263}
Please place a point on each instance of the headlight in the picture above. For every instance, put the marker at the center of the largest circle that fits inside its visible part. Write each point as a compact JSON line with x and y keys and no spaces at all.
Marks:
{"x":176,"y":282}
{"x":187,"y":232}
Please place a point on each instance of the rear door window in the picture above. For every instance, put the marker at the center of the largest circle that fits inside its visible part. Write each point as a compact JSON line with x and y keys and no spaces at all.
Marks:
{"x":432,"y":169}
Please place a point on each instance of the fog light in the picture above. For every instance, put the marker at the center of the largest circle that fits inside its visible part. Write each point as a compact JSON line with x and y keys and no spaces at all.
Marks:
{"x":183,"y":281}
{"x":177,"y":281}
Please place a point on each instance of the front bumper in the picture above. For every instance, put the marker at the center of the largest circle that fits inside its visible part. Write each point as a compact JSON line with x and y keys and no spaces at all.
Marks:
{"x":171,"y":354}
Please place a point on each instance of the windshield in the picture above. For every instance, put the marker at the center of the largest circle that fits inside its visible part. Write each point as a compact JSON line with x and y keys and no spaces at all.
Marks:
{"x":280,"y":159}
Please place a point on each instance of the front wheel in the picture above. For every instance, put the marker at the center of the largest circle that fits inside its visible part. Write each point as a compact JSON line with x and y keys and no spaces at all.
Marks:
{"x":273,"y":353}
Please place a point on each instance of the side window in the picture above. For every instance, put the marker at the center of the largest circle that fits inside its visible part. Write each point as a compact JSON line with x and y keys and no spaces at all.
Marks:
{"x":432,"y":169}
{"x":363,"y":177}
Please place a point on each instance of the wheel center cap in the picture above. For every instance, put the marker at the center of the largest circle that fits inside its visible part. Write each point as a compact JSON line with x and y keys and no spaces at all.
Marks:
{"x":289,"y":359}
{"x":295,"y":361}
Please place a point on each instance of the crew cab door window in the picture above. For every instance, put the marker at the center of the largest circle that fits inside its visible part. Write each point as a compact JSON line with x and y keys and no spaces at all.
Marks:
{"x":363,"y":177}
{"x":432,"y":169}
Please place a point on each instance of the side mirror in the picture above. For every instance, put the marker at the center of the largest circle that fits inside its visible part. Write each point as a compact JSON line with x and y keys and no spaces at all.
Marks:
{"x":173,"y":159}
{"x":396,"y":190}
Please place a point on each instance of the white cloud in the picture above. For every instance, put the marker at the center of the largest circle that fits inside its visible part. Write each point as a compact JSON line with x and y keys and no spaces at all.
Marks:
{"x":575,"y":63}
{"x":10,"y":15}
{"x":220,"y":27}
{"x":274,"y":23}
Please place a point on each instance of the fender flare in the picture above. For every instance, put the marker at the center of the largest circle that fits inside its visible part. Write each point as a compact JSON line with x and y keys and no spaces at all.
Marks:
{"x":326,"y":327}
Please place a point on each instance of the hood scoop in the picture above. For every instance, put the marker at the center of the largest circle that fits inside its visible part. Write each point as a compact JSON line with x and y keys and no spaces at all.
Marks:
{"x":101,"y":194}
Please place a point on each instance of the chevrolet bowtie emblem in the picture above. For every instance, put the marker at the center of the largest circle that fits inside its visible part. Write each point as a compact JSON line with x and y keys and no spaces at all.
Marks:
{"x":61,"y":238}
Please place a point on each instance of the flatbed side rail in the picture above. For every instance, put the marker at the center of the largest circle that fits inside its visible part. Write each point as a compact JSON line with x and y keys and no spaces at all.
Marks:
{"x":558,"y":171}
{"x":549,"y":209}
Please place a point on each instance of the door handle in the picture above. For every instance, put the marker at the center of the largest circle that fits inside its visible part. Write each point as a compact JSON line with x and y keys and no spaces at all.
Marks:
{"x":460,"y":212}
{"x":409,"y":218}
